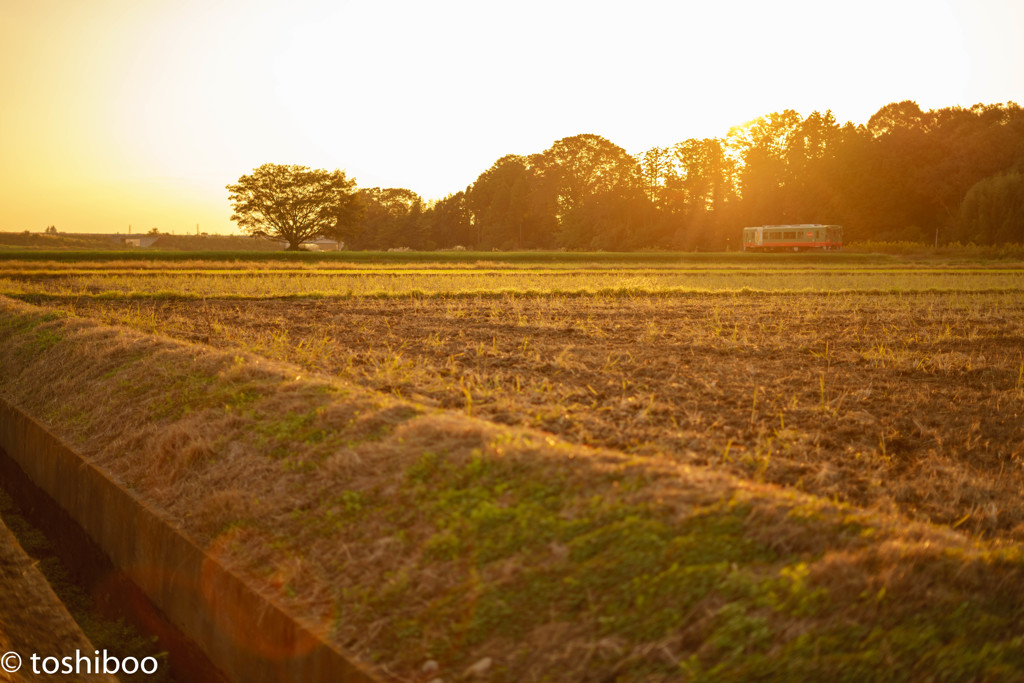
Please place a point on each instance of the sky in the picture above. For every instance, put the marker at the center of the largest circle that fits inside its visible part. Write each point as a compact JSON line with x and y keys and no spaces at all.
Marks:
{"x":118,"y":113}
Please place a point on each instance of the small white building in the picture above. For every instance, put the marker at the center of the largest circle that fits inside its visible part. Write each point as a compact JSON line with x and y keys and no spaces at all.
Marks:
{"x":138,"y":240}
{"x":319,"y":244}
{"x":324,"y":244}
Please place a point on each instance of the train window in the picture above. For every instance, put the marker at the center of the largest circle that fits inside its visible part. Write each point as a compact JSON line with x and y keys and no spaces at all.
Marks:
{"x":789,"y":235}
{"x":775,"y":235}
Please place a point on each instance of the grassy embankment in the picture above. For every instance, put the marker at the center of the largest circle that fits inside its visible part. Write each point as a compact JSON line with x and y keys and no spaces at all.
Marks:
{"x":418,"y":534}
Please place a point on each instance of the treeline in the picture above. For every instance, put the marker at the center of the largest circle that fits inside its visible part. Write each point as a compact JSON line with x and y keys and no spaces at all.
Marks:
{"x":955,"y":174}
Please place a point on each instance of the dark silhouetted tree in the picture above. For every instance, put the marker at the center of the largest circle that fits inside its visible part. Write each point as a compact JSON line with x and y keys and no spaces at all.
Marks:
{"x":898,"y":116}
{"x":702,"y":184}
{"x":763,"y":149}
{"x":293,"y":203}
{"x":587,"y":169}
{"x":448,"y":222}
{"x":390,"y":218}
{"x":511,"y":205}
{"x":993,"y":211}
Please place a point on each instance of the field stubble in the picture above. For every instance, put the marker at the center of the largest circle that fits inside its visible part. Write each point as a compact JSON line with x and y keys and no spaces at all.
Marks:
{"x":896,"y":402}
{"x":445,"y":281}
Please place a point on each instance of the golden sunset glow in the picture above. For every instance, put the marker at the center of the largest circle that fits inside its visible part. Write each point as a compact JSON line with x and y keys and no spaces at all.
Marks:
{"x":119,"y":113}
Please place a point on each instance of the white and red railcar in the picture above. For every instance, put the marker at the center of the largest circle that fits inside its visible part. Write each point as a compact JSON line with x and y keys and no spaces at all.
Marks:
{"x":793,"y":237}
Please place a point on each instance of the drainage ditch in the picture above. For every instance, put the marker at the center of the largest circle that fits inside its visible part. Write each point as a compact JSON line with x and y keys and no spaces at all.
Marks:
{"x":112,"y":612}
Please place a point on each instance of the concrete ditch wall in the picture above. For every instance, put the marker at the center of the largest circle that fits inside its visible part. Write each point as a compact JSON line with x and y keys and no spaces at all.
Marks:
{"x":244,"y":634}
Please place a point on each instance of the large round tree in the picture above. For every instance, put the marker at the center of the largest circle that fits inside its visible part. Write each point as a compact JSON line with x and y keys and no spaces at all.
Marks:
{"x":293,"y":203}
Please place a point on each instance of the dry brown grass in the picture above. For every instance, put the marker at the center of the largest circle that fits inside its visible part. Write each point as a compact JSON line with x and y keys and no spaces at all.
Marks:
{"x":417,"y":533}
{"x":902,"y":403}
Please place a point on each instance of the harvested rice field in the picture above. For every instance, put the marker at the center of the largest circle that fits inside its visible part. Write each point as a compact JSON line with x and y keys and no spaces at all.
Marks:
{"x":767,"y":469}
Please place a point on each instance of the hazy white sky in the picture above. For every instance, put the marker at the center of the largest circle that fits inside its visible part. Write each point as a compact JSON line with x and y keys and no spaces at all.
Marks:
{"x":119,"y":112}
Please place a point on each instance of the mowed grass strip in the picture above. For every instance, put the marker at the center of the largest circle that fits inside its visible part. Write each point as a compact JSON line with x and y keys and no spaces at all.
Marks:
{"x":414,"y":534}
{"x":855,"y":253}
{"x":28,"y":273}
{"x":456,"y":257}
{"x":385,"y":282}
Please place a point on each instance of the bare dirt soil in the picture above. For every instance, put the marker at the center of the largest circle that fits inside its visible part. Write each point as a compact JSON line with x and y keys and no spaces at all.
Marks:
{"x":912,"y":403}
